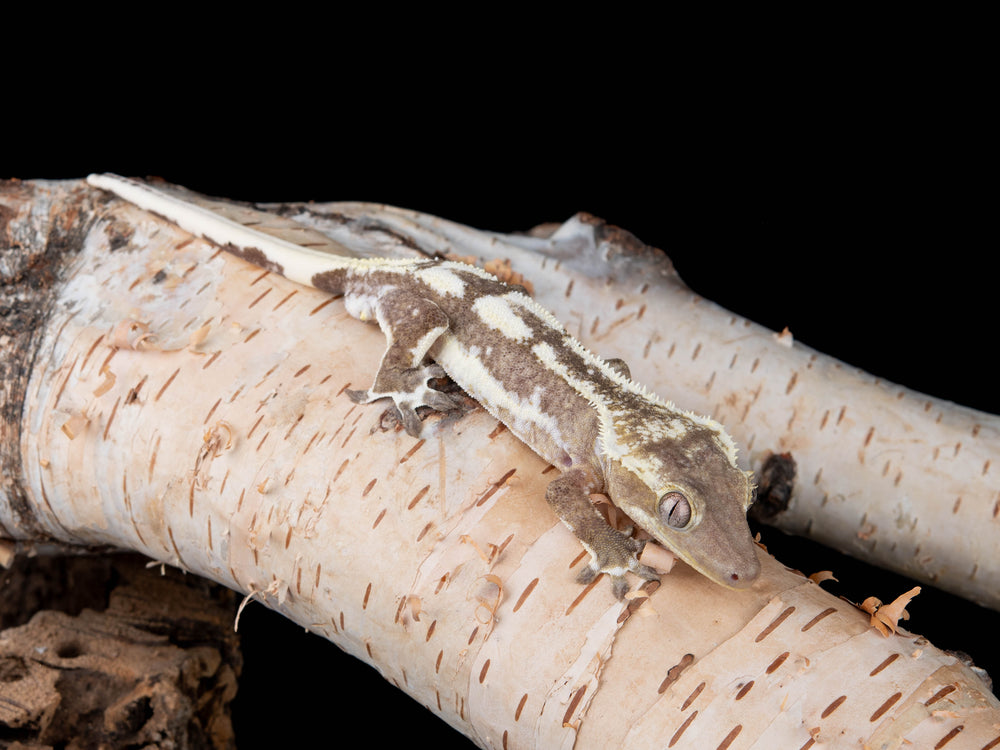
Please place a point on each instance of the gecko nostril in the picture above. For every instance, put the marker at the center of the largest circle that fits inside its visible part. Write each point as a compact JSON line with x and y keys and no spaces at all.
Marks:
{"x":741,"y":578}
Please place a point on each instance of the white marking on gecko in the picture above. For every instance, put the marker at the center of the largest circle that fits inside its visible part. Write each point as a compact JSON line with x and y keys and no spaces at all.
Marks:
{"x":497,"y":313}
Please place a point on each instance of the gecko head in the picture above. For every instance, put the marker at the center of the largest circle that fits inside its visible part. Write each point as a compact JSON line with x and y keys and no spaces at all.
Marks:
{"x":692,"y":498}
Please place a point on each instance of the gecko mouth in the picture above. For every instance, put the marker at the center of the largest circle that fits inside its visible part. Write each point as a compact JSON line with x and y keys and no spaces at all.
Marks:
{"x":736,"y":576}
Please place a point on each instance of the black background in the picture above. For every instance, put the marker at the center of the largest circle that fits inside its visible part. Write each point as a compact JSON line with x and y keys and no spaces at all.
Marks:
{"x":850,"y":203}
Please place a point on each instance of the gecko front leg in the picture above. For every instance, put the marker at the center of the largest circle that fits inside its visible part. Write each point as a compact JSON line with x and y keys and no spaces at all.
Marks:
{"x":611,"y":551}
{"x":411,"y":324}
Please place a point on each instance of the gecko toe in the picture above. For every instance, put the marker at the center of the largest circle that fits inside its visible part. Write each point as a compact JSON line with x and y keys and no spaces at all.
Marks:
{"x":443,"y":402}
{"x":359,"y":397}
{"x":410,"y":420}
{"x":645,"y":572}
{"x":619,"y":586}
{"x":435,"y":370}
{"x":617,"y":556}
{"x":586,"y":575}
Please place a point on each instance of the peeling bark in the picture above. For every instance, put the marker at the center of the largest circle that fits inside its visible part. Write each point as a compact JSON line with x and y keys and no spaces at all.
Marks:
{"x":226,"y":446}
{"x":40,"y":231}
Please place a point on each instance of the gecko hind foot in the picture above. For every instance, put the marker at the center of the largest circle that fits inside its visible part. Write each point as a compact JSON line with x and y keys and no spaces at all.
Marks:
{"x":409,"y":391}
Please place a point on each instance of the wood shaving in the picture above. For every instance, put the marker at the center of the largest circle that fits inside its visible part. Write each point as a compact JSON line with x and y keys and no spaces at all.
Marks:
{"x":213,"y":438}
{"x":107,"y":384}
{"x":502,"y":270}
{"x":74,"y":426}
{"x":885,"y":617}
{"x":466,"y":539}
{"x":822,"y":575}
{"x":785,"y":338}
{"x":133,"y":334}
{"x":490,"y":606}
{"x":198,"y":337}
{"x":254,"y":594}
{"x":658,"y":557}
{"x":413,"y":602}
{"x":496,"y":551}
{"x":499,"y":267}
{"x":469,"y":260}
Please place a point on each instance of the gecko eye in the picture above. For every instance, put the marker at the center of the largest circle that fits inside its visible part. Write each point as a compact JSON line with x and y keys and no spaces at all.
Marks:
{"x":675,"y":511}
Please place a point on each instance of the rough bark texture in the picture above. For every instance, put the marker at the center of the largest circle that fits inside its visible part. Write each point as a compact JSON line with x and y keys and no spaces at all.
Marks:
{"x":40,"y":231}
{"x":227,"y":447}
{"x":155,"y":664}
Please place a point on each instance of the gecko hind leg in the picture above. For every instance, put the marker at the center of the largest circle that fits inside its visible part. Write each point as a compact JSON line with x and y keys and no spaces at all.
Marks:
{"x":411,"y":324}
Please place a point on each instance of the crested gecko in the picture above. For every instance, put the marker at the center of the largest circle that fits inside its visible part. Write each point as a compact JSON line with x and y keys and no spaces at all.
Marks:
{"x":674,"y":473}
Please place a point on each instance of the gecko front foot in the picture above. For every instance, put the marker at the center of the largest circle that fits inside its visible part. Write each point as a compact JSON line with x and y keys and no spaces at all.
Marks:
{"x":617,"y":554}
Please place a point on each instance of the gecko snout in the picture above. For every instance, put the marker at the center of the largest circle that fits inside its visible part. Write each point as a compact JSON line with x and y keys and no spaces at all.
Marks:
{"x":744,"y":575}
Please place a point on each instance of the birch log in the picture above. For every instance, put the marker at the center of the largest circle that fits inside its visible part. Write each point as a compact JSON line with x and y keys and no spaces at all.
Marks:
{"x":902,"y":480}
{"x":182,"y":403}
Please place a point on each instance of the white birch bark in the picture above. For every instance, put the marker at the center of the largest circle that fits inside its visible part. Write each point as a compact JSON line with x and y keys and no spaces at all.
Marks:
{"x":226,"y":447}
{"x":899,"y":479}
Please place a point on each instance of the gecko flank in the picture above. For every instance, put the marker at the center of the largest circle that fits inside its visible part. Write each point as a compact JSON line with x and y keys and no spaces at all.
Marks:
{"x":672,"y":472}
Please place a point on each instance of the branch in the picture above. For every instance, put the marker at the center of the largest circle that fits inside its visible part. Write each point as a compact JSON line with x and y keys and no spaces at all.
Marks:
{"x":190,"y":406}
{"x":899,"y":479}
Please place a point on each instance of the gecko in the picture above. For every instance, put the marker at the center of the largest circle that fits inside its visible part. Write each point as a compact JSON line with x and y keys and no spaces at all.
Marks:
{"x":674,"y":473}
